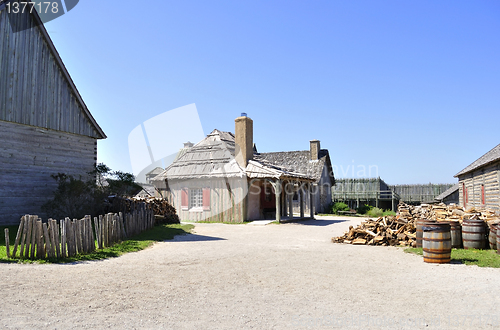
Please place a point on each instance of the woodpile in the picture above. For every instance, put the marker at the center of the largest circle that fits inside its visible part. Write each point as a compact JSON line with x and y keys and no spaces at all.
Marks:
{"x":164,"y":212}
{"x":160,"y":206}
{"x":385,"y":231}
{"x":400,"y":229}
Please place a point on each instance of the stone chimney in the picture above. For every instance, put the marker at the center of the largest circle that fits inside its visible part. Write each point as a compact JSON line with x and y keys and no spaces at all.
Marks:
{"x":188,"y":145}
{"x":243,"y":133}
{"x":315,"y":147}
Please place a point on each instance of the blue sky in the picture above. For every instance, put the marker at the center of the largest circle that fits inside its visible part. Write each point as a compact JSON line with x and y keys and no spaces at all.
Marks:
{"x":411,"y":87}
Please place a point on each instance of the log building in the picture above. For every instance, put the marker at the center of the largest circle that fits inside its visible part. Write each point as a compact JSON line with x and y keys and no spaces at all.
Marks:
{"x":45,"y":126}
{"x":479,"y":183}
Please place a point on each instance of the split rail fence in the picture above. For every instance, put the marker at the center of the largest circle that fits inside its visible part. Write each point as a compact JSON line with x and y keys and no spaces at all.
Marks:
{"x":67,"y":238}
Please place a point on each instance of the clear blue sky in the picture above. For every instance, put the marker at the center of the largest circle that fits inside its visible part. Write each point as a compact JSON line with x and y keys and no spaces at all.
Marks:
{"x":412,"y":87}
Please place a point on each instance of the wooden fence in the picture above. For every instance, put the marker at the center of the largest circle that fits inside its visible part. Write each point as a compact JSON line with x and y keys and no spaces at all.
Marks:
{"x":67,"y":238}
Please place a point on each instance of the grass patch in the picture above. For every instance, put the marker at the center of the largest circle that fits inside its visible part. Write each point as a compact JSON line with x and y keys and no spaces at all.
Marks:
{"x":481,"y":258}
{"x":134,"y":244}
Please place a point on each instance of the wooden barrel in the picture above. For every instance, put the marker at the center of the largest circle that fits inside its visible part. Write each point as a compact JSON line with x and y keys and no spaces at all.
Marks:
{"x":498,"y":239}
{"x":456,"y":233}
{"x":418,"y":225}
{"x":473,"y":234}
{"x":436,"y":243}
{"x":492,"y":237}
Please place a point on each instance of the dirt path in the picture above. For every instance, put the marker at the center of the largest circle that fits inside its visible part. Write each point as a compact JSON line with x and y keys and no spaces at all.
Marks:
{"x":285,"y":276}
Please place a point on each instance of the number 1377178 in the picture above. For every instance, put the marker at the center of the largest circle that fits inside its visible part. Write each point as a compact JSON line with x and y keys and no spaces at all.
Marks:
{"x":23,"y":7}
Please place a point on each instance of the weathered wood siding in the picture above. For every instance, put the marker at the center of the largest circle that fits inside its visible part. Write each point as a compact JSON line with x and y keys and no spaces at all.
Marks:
{"x":225,"y":206}
{"x":420,"y":192}
{"x":28,"y":157}
{"x":34,"y":90}
{"x":489,"y":176}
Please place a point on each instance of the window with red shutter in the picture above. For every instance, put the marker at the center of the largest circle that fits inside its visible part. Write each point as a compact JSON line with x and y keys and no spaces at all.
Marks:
{"x":206,"y":199}
{"x":184,"y":199}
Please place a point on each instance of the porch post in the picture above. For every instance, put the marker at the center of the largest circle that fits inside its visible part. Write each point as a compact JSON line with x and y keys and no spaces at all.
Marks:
{"x":301,"y":200}
{"x":277,"y":191}
{"x":311,"y":200}
{"x":290,"y":202}
{"x":283,"y":196}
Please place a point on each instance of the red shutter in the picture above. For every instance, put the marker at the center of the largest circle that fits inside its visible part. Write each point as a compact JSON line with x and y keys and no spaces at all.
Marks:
{"x":463,"y":195}
{"x":206,"y":199}
{"x":184,"y":199}
{"x":467,"y":195}
{"x":483,"y":201}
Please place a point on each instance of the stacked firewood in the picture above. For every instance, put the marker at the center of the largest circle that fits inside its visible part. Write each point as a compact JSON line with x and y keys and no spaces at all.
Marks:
{"x":160,"y":208}
{"x":400,"y":230}
{"x":385,"y":231}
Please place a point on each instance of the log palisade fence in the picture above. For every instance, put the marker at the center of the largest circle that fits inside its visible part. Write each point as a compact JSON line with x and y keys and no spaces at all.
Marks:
{"x":67,"y":238}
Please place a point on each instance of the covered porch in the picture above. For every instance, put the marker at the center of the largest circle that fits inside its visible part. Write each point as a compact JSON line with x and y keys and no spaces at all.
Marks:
{"x":273,"y":192}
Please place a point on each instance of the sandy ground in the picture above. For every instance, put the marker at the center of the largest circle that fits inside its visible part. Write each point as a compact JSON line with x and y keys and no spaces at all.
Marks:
{"x":287,"y":276}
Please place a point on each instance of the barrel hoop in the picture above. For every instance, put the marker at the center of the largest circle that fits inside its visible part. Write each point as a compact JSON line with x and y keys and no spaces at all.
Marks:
{"x":437,"y":239}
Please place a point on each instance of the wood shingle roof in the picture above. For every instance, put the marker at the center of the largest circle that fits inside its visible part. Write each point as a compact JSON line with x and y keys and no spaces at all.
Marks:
{"x":490,"y":157}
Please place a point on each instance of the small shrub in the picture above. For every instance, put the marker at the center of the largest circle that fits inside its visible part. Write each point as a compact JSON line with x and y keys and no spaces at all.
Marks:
{"x":389,"y":212}
{"x":375,"y":212}
{"x":364,"y":209}
{"x":339,"y":206}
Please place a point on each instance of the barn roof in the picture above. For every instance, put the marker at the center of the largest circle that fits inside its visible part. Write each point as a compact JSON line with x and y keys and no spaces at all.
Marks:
{"x":38,"y":22}
{"x":448,"y":192}
{"x":490,"y":157}
{"x":214,"y":157}
{"x":299,"y":162}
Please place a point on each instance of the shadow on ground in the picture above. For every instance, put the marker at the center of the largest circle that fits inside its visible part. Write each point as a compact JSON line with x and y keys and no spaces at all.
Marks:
{"x":195,"y":238}
{"x":316,"y":222}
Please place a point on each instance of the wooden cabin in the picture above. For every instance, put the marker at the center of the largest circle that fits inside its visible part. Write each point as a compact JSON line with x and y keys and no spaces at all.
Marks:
{"x":479,"y":183}
{"x":223,"y":179}
{"x":45,"y":127}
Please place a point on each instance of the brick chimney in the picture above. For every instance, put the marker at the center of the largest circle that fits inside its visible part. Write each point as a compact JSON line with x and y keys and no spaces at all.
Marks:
{"x":314,"y":147}
{"x":243,"y":133}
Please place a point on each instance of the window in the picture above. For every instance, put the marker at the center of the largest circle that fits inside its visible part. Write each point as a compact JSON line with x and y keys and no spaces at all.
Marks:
{"x":195,"y":198}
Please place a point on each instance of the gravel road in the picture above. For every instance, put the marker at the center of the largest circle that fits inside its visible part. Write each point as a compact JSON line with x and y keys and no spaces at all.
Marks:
{"x":287,"y":276}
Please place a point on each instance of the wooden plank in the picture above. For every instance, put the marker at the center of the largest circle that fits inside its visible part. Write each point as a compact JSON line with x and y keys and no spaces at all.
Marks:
{"x":28,"y":236}
{"x":24,"y":234}
{"x":52,"y":237}
{"x":18,"y":235}
{"x":39,"y":240}
{"x":7,"y":242}
{"x":46,"y":235}
{"x":56,"y":238}
{"x":63,"y":239}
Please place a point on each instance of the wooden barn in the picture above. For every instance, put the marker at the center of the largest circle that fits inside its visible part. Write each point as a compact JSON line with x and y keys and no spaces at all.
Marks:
{"x":45,"y":127}
{"x":224,"y":179}
{"x":479,"y":183}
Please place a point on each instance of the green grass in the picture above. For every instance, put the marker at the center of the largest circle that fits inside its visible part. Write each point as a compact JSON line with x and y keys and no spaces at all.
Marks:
{"x":481,"y":258}
{"x":134,"y":244}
